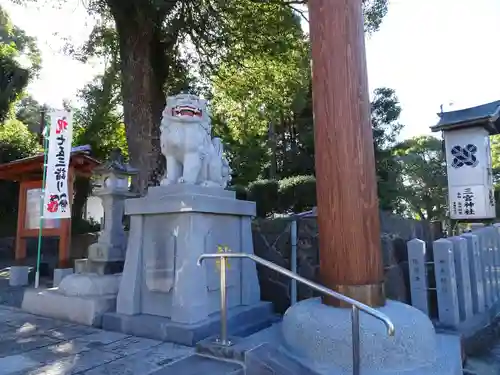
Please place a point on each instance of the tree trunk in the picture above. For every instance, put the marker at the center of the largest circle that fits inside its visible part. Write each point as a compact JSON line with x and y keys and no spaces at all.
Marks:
{"x":137,"y":91}
{"x":82,"y":191}
{"x":272,"y":150}
{"x":144,"y":71}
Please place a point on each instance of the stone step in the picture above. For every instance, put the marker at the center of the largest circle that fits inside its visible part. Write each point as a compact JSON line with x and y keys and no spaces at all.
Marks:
{"x":242,"y":320}
{"x":254,"y":327}
{"x":198,"y":364}
{"x":260,"y":352}
{"x":240,"y":344}
{"x":267,"y":359}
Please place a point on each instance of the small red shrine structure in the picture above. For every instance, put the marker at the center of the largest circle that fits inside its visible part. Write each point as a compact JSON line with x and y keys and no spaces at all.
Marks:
{"x":29,"y":173}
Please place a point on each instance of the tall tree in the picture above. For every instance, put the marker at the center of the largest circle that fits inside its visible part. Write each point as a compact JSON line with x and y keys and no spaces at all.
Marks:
{"x":28,"y":111}
{"x":150,"y":35}
{"x":25,"y":45}
{"x":13,"y":79}
{"x":385,"y":112}
{"x":298,"y":156}
{"x":256,"y":96}
{"x":19,"y":62}
{"x":424,"y":173}
{"x":16,"y":142}
{"x":99,"y":125}
{"x":495,"y":157}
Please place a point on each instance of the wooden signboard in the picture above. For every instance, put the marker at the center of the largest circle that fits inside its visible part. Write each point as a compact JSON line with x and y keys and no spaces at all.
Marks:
{"x":28,"y":222}
{"x":28,"y":172}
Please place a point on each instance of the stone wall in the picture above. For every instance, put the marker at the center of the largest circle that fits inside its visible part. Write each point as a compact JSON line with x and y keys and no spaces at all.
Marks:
{"x":272,"y":242}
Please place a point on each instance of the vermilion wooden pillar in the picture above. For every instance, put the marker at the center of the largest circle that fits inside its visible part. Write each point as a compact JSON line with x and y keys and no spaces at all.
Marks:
{"x":348,"y":215}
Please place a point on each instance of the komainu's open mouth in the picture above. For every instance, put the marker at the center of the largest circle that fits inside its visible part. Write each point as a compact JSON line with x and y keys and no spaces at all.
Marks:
{"x":184,"y":110}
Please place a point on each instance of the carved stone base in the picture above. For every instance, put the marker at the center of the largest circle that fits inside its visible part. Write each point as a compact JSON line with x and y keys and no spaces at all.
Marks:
{"x":86,"y":310}
{"x":105,"y":268}
{"x":60,"y":274}
{"x":19,"y":275}
{"x":80,"y":266}
{"x":242,"y":321}
{"x":106,"y":259}
{"x":80,"y":298}
{"x":87,"y":285}
{"x":320,"y":336}
{"x":170,"y":228}
{"x":83,"y":266}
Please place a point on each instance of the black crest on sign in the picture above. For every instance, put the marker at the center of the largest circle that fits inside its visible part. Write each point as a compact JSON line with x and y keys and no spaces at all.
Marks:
{"x":464,"y":156}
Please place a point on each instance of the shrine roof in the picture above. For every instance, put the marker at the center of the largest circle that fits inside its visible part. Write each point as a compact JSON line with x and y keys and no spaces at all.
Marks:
{"x":31,"y":167}
{"x":485,"y":115}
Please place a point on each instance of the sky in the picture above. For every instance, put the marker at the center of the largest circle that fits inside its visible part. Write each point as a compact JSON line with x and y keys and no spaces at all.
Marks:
{"x":431,"y":52}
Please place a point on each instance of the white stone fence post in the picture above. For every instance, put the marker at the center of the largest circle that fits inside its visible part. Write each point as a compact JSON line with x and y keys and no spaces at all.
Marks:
{"x":465,"y":270}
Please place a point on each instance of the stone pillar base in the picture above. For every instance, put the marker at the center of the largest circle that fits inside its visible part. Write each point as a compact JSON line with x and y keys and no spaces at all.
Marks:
{"x":81,"y":266}
{"x":81,"y":299}
{"x":60,"y":274}
{"x":105,"y":267}
{"x":320,"y":337}
{"x":19,"y":275}
{"x":170,"y":228}
{"x":86,"y":310}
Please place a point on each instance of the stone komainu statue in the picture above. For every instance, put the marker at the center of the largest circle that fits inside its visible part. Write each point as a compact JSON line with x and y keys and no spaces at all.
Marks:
{"x":192,"y":156}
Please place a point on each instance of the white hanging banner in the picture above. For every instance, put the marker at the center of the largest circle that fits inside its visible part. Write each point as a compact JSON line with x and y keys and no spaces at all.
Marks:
{"x":56,"y":198}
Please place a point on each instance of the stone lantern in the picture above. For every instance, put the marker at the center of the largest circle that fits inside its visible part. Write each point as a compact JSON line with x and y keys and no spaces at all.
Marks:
{"x":85,"y":296}
{"x":107,"y":256}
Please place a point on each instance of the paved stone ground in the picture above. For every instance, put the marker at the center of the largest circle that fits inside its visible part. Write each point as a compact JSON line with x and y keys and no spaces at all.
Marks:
{"x":32,"y":345}
{"x":484,"y":358}
{"x":13,"y":296}
{"x":487,"y":363}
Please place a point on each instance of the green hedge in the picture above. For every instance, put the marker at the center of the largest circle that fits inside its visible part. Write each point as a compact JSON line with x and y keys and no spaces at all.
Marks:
{"x":291,"y":194}
{"x":240,"y":190}
{"x":265,"y":194}
{"x":297,"y":194}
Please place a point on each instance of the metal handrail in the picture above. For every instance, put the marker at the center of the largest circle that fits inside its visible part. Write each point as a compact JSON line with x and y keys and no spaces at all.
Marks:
{"x":356,"y":305}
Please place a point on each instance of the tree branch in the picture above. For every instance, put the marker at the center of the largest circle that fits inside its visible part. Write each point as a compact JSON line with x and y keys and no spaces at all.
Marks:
{"x":301,"y":13}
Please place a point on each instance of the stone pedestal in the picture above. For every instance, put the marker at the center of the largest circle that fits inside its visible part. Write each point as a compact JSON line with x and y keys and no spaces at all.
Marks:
{"x":85,"y":296}
{"x":107,"y":255}
{"x":60,"y":274}
{"x":169,"y":229}
{"x":19,"y":275}
{"x":81,"y":266}
{"x":80,"y":298}
{"x":320,"y":337}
